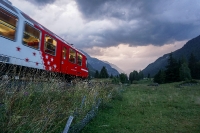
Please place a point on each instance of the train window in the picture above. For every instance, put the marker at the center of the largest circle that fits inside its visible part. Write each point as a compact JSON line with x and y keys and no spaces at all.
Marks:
{"x":79,"y":60}
{"x":72,"y":55}
{"x":50,"y":45}
{"x":64,"y":53}
{"x":31,"y":36}
{"x":8,"y":24}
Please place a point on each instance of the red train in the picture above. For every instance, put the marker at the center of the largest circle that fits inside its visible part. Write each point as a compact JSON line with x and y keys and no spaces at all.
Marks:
{"x":24,"y":42}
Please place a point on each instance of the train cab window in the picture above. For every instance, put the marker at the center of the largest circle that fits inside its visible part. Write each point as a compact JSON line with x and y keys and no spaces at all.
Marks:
{"x":72,"y":55}
{"x":50,"y":45}
{"x":31,"y":36}
{"x":64,"y":53}
{"x":79,"y":59}
{"x":8,"y":24}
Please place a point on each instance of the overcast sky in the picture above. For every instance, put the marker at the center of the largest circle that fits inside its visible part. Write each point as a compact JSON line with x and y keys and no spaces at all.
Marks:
{"x":128,"y":33}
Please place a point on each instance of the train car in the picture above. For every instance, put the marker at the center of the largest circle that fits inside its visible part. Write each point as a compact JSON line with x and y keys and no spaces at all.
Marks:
{"x":25,"y":42}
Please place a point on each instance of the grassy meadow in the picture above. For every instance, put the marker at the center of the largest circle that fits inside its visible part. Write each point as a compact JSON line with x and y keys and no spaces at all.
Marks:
{"x":150,"y":109}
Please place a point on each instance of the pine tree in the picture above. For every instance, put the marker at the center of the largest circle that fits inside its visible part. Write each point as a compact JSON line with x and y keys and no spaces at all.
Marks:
{"x":193,"y":66}
{"x":172,"y":70}
{"x":96,"y":74}
{"x":123,"y":78}
{"x":135,"y":75}
{"x":160,"y":77}
{"x":115,"y":80}
{"x":111,"y":76}
{"x":198,"y":70}
{"x":149,"y":76}
{"x":131,"y":77}
{"x":141,"y":75}
{"x":104,"y":73}
{"x":184,"y":72}
{"x":157,"y":77}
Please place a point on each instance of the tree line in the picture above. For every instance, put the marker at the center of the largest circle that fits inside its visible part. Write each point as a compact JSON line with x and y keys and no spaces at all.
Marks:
{"x":135,"y":76}
{"x":179,"y":70}
{"x":115,"y":79}
{"x":123,"y":78}
{"x":175,"y":71}
{"x":103,"y":73}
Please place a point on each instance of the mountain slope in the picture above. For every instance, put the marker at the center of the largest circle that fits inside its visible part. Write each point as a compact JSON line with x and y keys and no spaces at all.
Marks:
{"x":192,"y":46}
{"x":96,"y":64}
{"x":115,"y":67}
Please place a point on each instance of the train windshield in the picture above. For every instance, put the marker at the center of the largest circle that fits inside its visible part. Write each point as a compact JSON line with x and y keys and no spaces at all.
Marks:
{"x":8,"y":24}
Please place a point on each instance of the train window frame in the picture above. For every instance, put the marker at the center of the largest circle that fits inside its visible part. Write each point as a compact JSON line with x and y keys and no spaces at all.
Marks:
{"x":16,"y":25}
{"x":64,"y":53}
{"x":73,"y":59}
{"x":81,"y":63}
{"x":39,"y":36}
{"x":45,"y":45}
{"x":86,"y":62}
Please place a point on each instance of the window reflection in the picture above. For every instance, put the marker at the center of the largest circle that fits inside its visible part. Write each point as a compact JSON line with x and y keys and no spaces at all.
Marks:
{"x":79,"y":60}
{"x":31,"y":36}
{"x":64,"y":52}
{"x":8,"y":23}
{"x":72,"y":56}
{"x":50,"y":45}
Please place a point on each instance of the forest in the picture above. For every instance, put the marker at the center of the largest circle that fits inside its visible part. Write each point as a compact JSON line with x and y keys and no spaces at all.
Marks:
{"x":179,"y":70}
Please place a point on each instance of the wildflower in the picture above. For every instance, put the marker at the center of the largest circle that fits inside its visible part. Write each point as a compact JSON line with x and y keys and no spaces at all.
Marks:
{"x":26,"y":94}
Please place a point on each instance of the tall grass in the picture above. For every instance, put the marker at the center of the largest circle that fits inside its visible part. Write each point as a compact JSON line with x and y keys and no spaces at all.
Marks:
{"x":44,"y":105}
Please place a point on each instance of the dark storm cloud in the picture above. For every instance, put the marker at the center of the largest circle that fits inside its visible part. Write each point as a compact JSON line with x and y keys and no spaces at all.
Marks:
{"x":156,"y":33}
{"x":121,"y":9}
{"x":158,"y":21}
{"x":41,"y":2}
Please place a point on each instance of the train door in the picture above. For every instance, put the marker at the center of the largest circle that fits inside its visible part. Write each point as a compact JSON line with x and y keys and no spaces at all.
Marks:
{"x":79,"y":64}
{"x":51,"y":57}
{"x":64,"y":60}
{"x":72,"y":62}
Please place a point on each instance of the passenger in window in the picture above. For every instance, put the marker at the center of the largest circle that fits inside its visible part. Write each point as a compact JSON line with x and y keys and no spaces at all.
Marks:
{"x":71,"y":59}
{"x":79,"y":60}
{"x":50,"y":41}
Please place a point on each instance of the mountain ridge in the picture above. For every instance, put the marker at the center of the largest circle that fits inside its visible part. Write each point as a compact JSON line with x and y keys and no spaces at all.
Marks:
{"x":192,"y":46}
{"x":96,"y":64}
{"x":115,"y":67}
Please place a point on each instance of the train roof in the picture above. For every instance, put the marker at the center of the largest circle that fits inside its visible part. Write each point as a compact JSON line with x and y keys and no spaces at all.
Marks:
{"x":8,"y":4}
